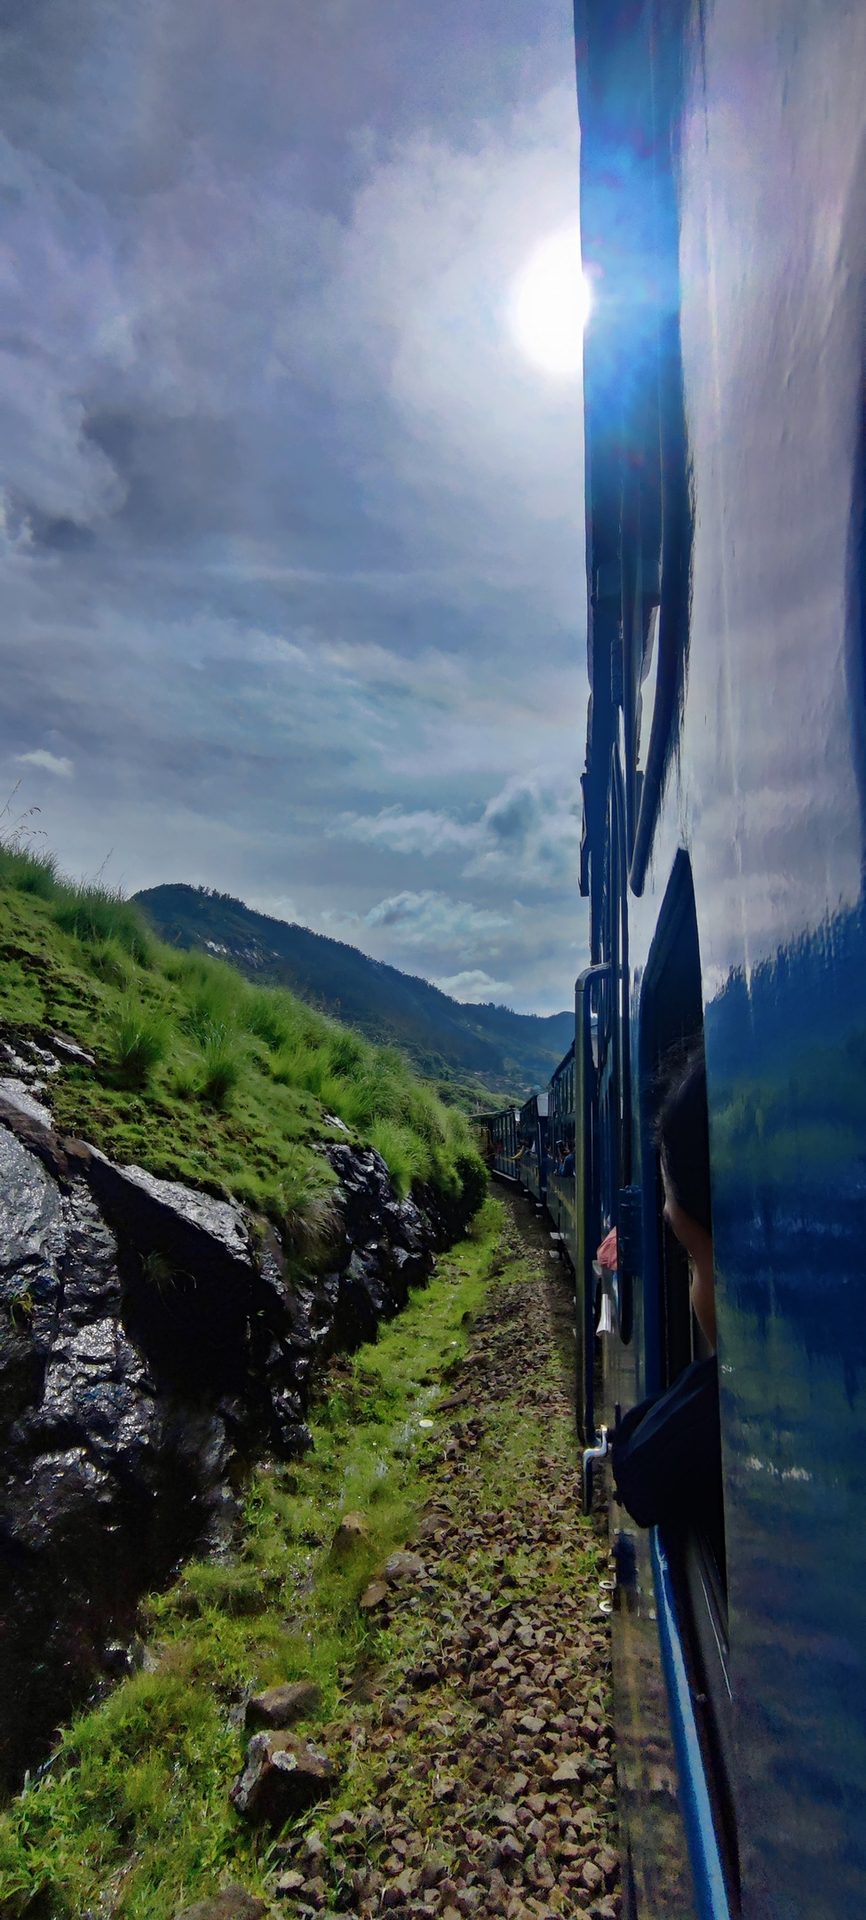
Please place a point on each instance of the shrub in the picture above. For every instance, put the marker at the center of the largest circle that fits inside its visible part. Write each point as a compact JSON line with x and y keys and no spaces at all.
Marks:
{"x":141,"y":1042}
{"x":472,"y":1174}
{"x":223,"y":1065}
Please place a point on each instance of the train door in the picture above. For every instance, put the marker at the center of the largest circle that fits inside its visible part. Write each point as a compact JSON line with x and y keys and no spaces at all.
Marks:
{"x":690,"y":1567}
{"x":604,"y":1306}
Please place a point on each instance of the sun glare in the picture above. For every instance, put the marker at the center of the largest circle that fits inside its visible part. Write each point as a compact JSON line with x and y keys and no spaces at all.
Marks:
{"x":551,"y":305}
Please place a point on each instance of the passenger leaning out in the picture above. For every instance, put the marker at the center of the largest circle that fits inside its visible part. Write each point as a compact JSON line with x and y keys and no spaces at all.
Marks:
{"x":666,"y":1452}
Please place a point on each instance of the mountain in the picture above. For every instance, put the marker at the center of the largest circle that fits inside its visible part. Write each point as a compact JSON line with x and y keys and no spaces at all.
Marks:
{"x":508,"y":1053}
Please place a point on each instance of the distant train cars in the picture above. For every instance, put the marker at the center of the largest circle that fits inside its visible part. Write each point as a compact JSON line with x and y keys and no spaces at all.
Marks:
{"x":533,"y":1147}
{"x":497,"y":1139}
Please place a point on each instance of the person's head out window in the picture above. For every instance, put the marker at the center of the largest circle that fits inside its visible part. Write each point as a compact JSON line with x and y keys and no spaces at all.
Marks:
{"x":683,"y":1139}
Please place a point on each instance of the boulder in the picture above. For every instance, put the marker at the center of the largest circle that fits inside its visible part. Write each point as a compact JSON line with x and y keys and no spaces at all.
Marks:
{"x":373,"y":1595}
{"x":231,"y":1904}
{"x":351,"y":1533}
{"x":282,"y":1706}
{"x":403,"y":1566}
{"x":184,"y":1223}
{"x":283,"y":1775}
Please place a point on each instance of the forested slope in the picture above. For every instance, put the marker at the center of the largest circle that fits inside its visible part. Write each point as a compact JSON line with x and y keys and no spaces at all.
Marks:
{"x":509,"y":1052}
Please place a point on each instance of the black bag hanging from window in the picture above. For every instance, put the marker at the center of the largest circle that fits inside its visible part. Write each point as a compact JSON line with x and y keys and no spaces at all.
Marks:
{"x":666,"y":1453}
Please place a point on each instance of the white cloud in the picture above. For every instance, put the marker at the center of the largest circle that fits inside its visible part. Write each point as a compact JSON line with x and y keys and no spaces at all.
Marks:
{"x":49,"y":762}
{"x":473,"y":986}
{"x":424,"y":831}
{"x":59,"y":241}
{"x":292,"y":547}
{"x":528,"y":832}
{"x":436,"y":921}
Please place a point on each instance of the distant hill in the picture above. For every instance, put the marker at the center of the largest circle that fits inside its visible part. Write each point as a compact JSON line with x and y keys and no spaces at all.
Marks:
{"x":507,"y":1053}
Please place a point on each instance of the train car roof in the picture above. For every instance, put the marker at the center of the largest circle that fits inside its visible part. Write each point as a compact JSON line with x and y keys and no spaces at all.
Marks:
{"x":564,"y":1062}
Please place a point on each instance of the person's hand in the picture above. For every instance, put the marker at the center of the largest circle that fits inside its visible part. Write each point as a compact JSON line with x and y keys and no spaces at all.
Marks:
{"x":608,"y":1253}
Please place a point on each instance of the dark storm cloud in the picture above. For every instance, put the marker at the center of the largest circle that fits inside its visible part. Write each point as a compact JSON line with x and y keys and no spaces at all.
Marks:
{"x":288,"y":532}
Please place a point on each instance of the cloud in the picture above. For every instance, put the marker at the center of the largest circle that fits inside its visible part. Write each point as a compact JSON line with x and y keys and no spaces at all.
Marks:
{"x":512,"y":816}
{"x":48,"y":762}
{"x":424,"y":831}
{"x":528,"y":832}
{"x":473,"y":986}
{"x":436,"y":922}
{"x":290,"y":537}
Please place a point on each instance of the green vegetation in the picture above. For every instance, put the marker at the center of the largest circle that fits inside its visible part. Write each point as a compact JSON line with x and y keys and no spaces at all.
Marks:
{"x":200,"y":1075}
{"x":134,"y":1817}
{"x":477,"y":1055}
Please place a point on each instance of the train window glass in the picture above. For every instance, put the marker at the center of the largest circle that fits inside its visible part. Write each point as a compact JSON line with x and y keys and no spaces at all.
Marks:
{"x":670,"y":1014}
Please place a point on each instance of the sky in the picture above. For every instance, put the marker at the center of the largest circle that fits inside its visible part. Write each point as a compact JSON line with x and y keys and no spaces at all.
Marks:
{"x":291,"y":528}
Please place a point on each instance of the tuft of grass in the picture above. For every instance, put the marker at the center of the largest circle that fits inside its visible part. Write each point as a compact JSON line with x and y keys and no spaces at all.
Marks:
{"x":405,"y":1155}
{"x":223,"y":1065}
{"x":141,"y":1043}
{"x":211,"y":993}
{"x":268,"y":1016}
{"x":95,"y":914}
{"x":28,"y":871}
{"x":347,"y":1055}
{"x":111,"y":962}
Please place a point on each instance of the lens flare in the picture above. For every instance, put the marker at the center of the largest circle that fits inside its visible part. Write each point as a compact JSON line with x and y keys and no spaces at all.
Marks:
{"x":551,"y":305}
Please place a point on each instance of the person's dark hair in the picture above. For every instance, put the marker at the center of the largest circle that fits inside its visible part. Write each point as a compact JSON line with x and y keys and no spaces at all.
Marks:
{"x":682,"y":1134}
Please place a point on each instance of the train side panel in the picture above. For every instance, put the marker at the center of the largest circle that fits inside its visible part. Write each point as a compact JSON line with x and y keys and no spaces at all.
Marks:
{"x":726,"y":823}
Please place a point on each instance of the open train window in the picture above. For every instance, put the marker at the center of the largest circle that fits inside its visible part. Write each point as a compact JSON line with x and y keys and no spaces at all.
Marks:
{"x":670,"y":1014}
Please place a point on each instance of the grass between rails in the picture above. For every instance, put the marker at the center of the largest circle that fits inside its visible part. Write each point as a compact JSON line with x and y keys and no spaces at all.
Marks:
{"x":201,"y":1076}
{"x":134,"y":1821}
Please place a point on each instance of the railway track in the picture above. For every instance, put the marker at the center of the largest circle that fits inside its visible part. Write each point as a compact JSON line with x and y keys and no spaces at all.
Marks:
{"x":488,"y":1744}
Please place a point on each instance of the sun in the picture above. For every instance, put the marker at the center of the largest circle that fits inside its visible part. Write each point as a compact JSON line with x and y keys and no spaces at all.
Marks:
{"x":551,"y":305}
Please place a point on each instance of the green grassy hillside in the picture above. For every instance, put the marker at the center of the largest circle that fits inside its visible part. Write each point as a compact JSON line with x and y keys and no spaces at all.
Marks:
{"x":509,"y":1053}
{"x":200,"y":1075}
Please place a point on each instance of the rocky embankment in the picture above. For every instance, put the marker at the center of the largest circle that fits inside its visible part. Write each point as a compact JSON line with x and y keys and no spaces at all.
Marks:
{"x":152,"y":1340}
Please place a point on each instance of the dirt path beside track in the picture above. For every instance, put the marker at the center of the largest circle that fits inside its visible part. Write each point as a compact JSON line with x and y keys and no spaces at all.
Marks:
{"x":483,"y":1731}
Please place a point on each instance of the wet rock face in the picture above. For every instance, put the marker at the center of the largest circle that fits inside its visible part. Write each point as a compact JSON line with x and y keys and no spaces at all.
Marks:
{"x":150,"y":1343}
{"x":387,"y":1245}
{"x":105,"y":1479}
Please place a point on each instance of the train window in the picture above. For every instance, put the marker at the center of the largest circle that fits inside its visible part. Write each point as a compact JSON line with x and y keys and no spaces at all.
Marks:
{"x":671,"y":1014}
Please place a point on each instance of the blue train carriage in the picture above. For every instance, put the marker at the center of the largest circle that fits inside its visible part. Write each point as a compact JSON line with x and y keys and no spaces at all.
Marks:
{"x":532,"y":1147}
{"x":723,"y":199}
{"x":561,"y":1184}
{"x":499,"y":1144}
